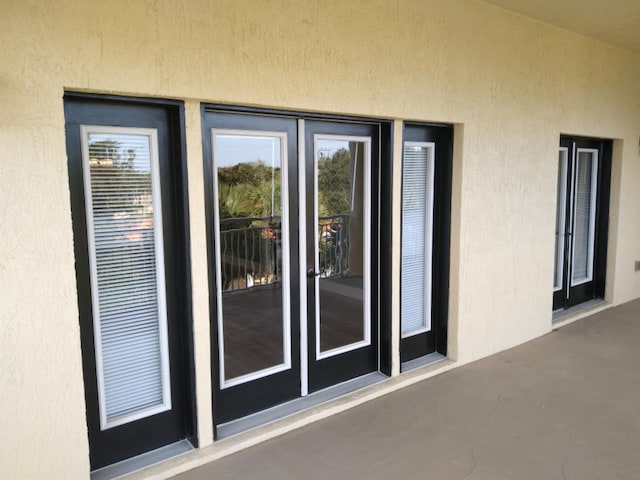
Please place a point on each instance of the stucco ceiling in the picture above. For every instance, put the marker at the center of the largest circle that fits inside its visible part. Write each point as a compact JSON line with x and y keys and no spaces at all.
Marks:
{"x":613,"y":21}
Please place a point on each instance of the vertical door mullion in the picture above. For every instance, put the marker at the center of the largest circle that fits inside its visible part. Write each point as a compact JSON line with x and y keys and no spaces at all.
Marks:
{"x":304,"y":360}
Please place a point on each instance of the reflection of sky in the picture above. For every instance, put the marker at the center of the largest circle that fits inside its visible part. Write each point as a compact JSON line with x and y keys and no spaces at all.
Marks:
{"x":125,"y":142}
{"x":234,"y":149}
{"x":328,"y":147}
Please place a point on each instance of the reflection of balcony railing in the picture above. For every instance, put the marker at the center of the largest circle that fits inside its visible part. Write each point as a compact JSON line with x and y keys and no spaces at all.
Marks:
{"x":251,"y":250}
{"x":333,"y":245}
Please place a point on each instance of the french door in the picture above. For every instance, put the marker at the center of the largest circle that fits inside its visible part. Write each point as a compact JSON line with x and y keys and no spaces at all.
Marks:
{"x":584,"y":169}
{"x":126,"y":189}
{"x":290,"y":207}
{"x":342,"y":333}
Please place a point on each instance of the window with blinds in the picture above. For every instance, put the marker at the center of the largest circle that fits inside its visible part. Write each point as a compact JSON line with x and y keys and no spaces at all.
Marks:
{"x":584,"y":215}
{"x":417,"y":227}
{"x":124,"y":228}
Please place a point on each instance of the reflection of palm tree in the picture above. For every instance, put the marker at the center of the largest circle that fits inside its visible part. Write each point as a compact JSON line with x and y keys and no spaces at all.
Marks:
{"x":334,"y":200}
{"x":231,"y":202}
{"x":246,"y":200}
{"x":264,"y":200}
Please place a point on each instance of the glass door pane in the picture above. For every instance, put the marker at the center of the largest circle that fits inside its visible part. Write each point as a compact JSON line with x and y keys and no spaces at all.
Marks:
{"x":252,"y":254}
{"x":561,"y":194}
{"x":341,"y":216}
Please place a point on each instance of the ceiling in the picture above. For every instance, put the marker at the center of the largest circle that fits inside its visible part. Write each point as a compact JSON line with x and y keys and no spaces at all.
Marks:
{"x":612,"y":21}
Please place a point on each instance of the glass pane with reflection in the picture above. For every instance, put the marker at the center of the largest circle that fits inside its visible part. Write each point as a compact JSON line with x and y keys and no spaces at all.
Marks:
{"x":251,"y":244}
{"x":341,"y":204}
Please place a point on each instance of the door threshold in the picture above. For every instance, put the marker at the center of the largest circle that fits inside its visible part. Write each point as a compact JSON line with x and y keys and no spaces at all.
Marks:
{"x":578,"y":312}
{"x":563,"y":314}
{"x":144,"y":460}
{"x":421,"y":361}
{"x":234,"y":427}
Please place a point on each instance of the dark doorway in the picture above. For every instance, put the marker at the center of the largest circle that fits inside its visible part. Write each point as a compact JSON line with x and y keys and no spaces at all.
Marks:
{"x":582,"y":223}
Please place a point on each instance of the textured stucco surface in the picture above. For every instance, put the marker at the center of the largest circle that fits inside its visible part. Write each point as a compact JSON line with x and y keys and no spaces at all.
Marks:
{"x":513,"y":85}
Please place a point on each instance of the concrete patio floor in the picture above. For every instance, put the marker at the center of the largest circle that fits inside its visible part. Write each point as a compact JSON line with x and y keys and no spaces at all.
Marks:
{"x":564,"y":406}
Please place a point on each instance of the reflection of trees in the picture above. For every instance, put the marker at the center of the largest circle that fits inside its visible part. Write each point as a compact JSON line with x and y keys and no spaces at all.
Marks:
{"x":249,"y":190}
{"x":334,"y":183}
{"x":115,"y":179}
{"x":122,"y":200}
{"x":334,"y":205}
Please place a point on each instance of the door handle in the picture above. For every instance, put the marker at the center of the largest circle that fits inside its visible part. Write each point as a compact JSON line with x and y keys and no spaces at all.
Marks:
{"x":312,"y":273}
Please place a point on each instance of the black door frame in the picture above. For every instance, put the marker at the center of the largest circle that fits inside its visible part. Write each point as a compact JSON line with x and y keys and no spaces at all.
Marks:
{"x":436,"y":339}
{"x":381,"y":295}
{"x":567,"y":296}
{"x":240,"y":400}
{"x":119,"y":443}
{"x":336,"y":369}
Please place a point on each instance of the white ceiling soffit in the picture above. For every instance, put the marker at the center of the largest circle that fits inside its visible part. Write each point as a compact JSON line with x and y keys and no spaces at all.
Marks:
{"x":612,"y":21}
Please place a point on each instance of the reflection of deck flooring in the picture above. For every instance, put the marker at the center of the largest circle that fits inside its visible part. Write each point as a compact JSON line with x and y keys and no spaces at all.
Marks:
{"x":253,"y":326}
{"x":340,"y":319}
{"x":252,"y":330}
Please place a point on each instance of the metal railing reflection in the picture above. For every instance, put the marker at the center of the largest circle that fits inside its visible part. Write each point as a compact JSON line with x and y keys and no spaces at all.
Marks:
{"x":251,"y":250}
{"x":333,"y":245}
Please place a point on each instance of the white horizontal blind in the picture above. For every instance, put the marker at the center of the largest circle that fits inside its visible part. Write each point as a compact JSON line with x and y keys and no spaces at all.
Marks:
{"x":584,"y":216}
{"x":124,"y":227}
{"x":417,"y":227}
{"x":561,"y":195}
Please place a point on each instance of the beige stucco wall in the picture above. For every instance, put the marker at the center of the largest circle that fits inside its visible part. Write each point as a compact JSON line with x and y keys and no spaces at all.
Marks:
{"x":512,"y":85}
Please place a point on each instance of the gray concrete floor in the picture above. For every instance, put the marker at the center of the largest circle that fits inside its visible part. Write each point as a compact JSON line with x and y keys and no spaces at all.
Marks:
{"x":564,"y":406}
